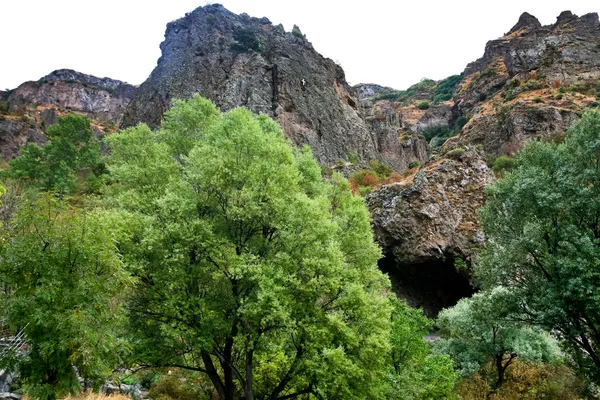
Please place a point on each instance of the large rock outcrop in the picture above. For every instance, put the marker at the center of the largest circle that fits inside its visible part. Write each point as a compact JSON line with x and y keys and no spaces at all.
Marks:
{"x":237,"y":60}
{"x":28,"y":110}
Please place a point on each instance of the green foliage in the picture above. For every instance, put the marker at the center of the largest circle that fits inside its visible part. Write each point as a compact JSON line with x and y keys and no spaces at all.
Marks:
{"x":444,"y":90}
{"x":71,"y":148}
{"x":542,"y":225}
{"x":456,"y":152}
{"x":417,"y":374}
{"x":297,"y":32}
{"x":62,"y":278}
{"x":248,"y":261}
{"x":353,"y":157}
{"x":502,"y":165}
{"x":414,"y":164}
{"x":4,"y":106}
{"x":478,"y":331}
{"x":246,"y":40}
{"x":381,"y":170}
{"x":538,"y":100}
{"x":423,"y":105}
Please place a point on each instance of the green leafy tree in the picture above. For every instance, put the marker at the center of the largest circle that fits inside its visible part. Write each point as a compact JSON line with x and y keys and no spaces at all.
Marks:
{"x":478,"y":331}
{"x":71,"y":149}
{"x":417,"y":373}
{"x":543,"y":225}
{"x":251,"y":268}
{"x":62,"y":277}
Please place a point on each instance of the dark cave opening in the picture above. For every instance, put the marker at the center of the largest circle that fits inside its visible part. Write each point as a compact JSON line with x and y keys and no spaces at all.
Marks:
{"x":431,"y":285}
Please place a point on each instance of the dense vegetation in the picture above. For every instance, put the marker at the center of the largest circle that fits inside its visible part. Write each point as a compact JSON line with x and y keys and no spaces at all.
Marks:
{"x":213,"y":247}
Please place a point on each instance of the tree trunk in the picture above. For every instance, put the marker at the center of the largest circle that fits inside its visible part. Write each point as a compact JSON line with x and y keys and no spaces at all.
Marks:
{"x":501,"y":369}
{"x":249,"y":391}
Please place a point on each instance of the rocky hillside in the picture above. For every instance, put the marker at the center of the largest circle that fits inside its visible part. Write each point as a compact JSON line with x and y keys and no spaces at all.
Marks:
{"x":237,"y":60}
{"x":532,"y":83}
{"x":28,"y":110}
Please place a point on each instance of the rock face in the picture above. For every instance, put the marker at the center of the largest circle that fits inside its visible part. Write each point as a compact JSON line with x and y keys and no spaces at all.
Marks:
{"x":102,"y":99}
{"x":28,"y":110}
{"x":532,"y":83}
{"x":237,"y":60}
{"x":426,"y":217}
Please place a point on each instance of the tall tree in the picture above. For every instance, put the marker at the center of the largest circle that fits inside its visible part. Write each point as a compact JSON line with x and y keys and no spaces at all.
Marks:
{"x":543,"y":227}
{"x":62,"y":278}
{"x":251,"y":269}
{"x":71,"y":149}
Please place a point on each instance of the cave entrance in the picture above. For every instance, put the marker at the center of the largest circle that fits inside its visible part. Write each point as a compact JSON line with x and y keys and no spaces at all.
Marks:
{"x":431,"y":285}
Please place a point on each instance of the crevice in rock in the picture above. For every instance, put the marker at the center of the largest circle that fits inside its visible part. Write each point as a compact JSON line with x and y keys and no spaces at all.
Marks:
{"x":431,"y":285}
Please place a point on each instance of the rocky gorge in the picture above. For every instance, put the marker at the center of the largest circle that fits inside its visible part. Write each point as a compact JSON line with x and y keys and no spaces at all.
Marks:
{"x":531,"y":83}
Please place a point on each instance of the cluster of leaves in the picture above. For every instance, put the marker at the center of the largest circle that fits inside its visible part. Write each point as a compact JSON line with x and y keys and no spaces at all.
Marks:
{"x":440,"y":91}
{"x":502,"y":165}
{"x":71,"y":150}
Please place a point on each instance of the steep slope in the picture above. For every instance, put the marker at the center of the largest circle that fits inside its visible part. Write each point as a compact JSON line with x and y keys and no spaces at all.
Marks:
{"x":28,"y":110}
{"x":237,"y":60}
{"x":530,"y":84}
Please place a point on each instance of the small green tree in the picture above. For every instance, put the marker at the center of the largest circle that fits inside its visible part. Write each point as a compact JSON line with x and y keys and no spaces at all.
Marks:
{"x":71,"y":148}
{"x":417,"y":373}
{"x":61,"y":277}
{"x":251,"y":269}
{"x":477,"y":331}
{"x":542,"y":222}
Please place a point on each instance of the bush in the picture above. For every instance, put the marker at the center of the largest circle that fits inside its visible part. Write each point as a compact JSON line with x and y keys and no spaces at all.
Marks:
{"x":503,"y":164}
{"x":538,"y":100}
{"x":444,"y":90}
{"x":414,"y":164}
{"x":456,"y":153}
{"x":460,"y":122}
{"x":423,"y":105}
{"x":482,"y":96}
{"x":246,"y":40}
{"x":353,"y":157}
{"x":383,"y":171}
{"x":4,"y":106}
{"x":364,"y":177}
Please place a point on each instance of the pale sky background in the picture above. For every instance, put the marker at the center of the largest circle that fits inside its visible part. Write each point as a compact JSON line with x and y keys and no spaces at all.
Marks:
{"x":392,"y":43}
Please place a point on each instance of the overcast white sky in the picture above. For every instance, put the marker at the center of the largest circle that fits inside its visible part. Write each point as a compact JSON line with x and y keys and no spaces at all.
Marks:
{"x":393,"y":43}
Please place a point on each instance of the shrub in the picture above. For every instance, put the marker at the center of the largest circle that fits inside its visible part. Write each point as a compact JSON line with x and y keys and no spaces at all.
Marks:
{"x":364,"y":177}
{"x":414,"y":164}
{"x":246,"y":40}
{"x":4,"y":106}
{"x":444,"y":90}
{"x":538,"y":100}
{"x":353,"y":157}
{"x":383,"y":171}
{"x":460,"y":122}
{"x":297,"y":32}
{"x":456,"y":153}
{"x":482,"y":96}
{"x":594,"y":104}
{"x":423,"y":105}
{"x":503,"y":164}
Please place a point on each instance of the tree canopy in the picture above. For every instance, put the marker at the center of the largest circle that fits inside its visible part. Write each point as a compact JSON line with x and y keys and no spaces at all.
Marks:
{"x":542,"y":222}
{"x":61,"y":276}
{"x":71,"y":149}
{"x":250,"y":267}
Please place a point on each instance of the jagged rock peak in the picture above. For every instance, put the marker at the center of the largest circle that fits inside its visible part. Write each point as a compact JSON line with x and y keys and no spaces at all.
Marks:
{"x":526,"y":21}
{"x":69,"y":75}
{"x":237,"y":60}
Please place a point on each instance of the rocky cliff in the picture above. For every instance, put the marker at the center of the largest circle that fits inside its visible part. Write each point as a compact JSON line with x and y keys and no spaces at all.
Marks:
{"x":28,"y":110}
{"x":237,"y":60}
{"x":532,"y":83}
